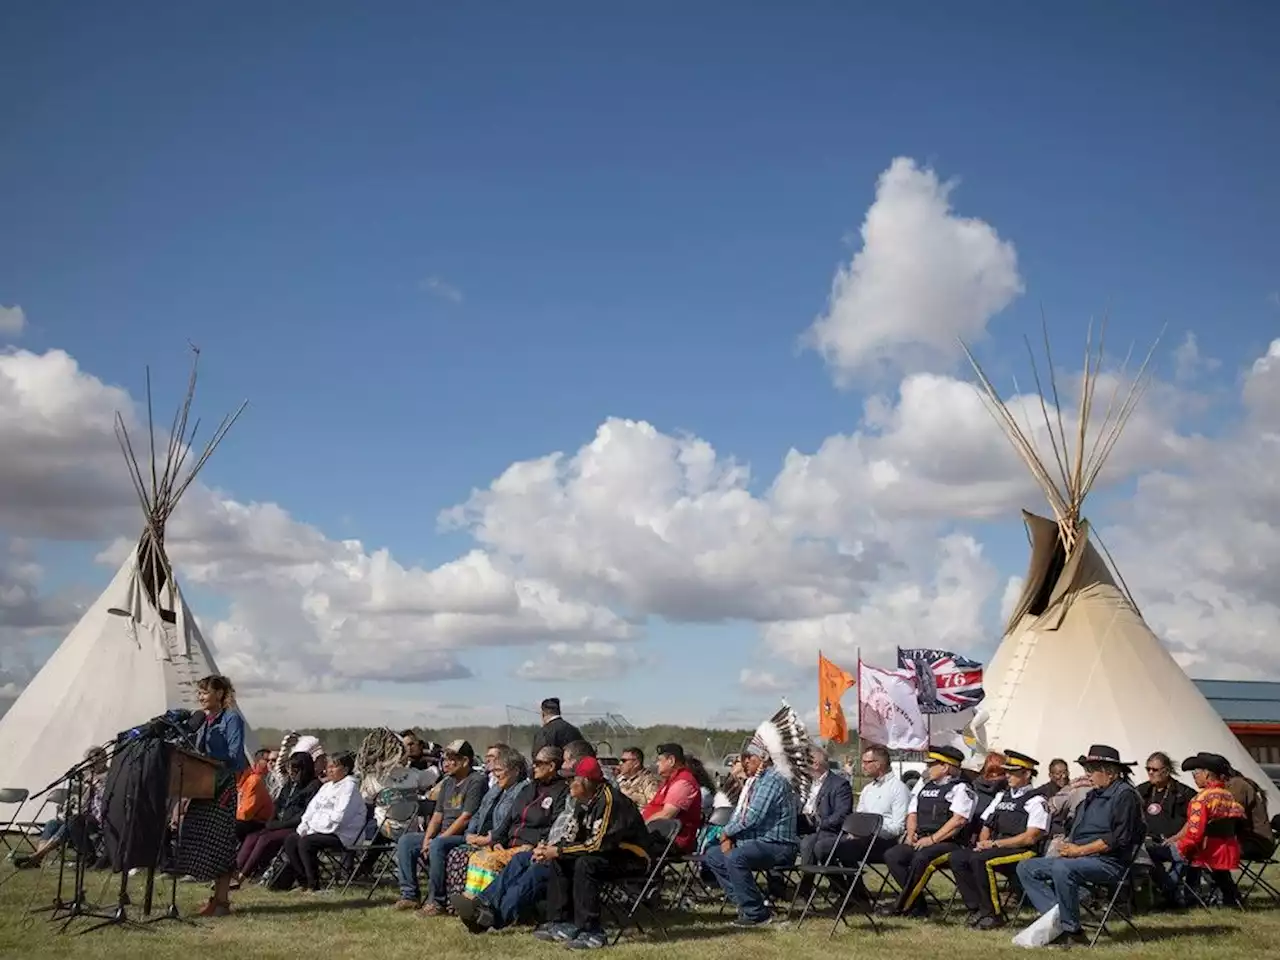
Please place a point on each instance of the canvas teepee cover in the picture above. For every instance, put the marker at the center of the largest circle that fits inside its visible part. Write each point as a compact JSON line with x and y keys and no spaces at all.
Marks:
{"x":136,"y":652}
{"x":1078,"y":664}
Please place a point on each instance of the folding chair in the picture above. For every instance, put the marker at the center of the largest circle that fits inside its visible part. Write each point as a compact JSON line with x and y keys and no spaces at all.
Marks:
{"x":1112,"y":892}
{"x":855,"y":826}
{"x":1252,"y":871}
{"x":18,"y":833}
{"x":623,"y":891}
{"x":692,"y":864}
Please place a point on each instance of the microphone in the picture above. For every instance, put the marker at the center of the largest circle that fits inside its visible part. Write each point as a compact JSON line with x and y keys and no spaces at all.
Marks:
{"x":195,"y":720}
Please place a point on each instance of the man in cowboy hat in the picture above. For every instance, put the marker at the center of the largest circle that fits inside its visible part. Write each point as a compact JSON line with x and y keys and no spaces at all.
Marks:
{"x":937,"y":814}
{"x":1209,"y":839}
{"x":1013,"y":825}
{"x":1107,"y":829}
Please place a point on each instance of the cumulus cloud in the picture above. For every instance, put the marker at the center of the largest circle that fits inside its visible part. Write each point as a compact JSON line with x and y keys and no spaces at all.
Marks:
{"x":923,"y":277}
{"x":763,"y":682}
{"x":580,"y":661}
{"x":659,"y":525}
{"x":1199,"y":546}
{"x":938,"y":599}
{"x":12,"y":320}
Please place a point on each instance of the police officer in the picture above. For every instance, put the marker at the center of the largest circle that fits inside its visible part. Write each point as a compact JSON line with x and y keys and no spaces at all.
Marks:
{"x":940,"y":807}
{"x":1012,"y":828}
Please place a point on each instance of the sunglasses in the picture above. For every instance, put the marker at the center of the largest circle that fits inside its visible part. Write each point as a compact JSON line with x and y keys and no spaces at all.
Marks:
{"x":1155,"y":769}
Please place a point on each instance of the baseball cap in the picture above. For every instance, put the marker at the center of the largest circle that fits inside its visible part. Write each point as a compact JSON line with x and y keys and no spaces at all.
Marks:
{"x":459,"y":748}
{"x":589,"y":769}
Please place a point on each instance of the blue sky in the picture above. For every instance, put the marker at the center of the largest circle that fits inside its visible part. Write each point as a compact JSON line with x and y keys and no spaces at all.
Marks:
{"x":626,"y":213}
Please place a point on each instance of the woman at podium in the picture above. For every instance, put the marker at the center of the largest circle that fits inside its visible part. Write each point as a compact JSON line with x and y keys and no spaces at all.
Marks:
{"x":207,"y":838}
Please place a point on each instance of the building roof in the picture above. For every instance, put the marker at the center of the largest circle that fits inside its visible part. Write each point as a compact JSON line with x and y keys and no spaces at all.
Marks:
{"x":1243,"y":701}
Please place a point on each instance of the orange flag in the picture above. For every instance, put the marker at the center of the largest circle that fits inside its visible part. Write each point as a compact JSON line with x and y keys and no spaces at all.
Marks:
{"x":832,"y":683}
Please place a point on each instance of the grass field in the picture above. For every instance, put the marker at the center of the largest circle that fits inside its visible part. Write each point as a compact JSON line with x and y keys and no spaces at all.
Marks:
{"x":288,"y":925}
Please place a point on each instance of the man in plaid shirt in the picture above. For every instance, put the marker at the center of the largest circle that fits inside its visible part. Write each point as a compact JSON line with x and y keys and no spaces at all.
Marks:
{"x":761,"y":836}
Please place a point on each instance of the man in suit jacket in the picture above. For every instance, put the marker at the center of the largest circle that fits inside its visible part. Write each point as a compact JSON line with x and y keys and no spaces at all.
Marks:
{"x":830,"y":800}
{"x":555,"y":731}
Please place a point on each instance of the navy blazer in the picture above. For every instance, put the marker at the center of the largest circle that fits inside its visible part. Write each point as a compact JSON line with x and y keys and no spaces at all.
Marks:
{"x":835,"y":802}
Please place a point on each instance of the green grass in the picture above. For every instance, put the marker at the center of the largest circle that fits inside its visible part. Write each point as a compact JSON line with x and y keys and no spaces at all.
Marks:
{"x":288,"y":925}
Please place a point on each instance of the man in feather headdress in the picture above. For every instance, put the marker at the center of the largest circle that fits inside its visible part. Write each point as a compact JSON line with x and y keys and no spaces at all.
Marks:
{"x":762,"y":832}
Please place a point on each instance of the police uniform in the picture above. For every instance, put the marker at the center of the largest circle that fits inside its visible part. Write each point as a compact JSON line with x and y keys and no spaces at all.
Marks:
{"x":1011,"y":813}
{"x":933,"y":803}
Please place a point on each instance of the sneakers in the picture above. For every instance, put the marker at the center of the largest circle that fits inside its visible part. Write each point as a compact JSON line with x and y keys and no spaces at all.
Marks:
{"x":556,"y":932}
{"x":989,"y":923}
{"x":588,"y":940}
{"x":751,"y":923}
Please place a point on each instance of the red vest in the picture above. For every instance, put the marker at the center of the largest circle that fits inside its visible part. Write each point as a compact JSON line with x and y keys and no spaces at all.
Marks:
{"x":690,"y":820}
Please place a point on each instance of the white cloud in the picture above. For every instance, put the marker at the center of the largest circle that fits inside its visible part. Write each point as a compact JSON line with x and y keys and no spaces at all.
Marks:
{"x":764,"y":682}
{"x":923,"y":277}
{"x":658,"y":525}
{"x":1189,"y":362}
{"x":938,"y":599}
{"x":442,"y":289}
{"x":592,"y":660}
{"x":12,"y":320}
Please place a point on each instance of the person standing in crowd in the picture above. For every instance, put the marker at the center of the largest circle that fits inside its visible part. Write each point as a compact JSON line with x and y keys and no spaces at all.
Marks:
{"x":207,"y":837}
{"x":1013,"y":825}
{"x":761,"y":835}
{"x":937,"y":819}
{"x":1105,"y":830}
{"x":555,"y":731}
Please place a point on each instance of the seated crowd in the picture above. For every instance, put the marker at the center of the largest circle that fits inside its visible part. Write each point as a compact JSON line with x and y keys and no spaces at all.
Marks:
{"x":519,"y":841}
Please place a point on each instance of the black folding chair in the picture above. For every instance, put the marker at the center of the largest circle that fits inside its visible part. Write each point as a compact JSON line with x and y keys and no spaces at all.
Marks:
{"x":18,"y":833}
{"x":1252,"y":878}
{"x":856,"y":826}
{"x":1118,"y":897}
{"x":691,"y":865}
{"x":626,"y":897}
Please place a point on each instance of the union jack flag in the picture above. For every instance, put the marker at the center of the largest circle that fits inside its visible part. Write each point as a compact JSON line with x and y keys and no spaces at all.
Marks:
{"x":945,"y":682}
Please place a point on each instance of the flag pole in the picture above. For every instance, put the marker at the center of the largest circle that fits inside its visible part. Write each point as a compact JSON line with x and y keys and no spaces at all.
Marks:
{"x":859,"y":691}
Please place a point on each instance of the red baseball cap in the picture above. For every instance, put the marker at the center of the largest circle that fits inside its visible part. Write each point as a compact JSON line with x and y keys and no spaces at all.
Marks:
{"x":589,"y":769}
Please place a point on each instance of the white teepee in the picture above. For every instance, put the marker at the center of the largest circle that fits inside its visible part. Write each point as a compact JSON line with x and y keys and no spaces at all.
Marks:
{"x":1078,"y":665}
{"x":137,"y":651}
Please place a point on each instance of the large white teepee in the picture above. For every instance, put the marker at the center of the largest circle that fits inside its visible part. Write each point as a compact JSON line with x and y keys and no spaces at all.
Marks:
{"x":137,"y":651}
{"x":1078,"y":665}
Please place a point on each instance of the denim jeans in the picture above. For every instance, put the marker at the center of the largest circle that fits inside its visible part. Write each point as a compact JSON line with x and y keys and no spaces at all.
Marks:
{"x":516,"y":889}
{"x":437,"y":858}
{"x":735,"y":872}
{"x":1056,"y":880}
{"x":1167,"y":868}
{"x":408,"y":852}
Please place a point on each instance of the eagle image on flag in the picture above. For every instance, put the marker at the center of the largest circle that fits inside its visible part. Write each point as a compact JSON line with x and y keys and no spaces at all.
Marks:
{"x":945,"y":682}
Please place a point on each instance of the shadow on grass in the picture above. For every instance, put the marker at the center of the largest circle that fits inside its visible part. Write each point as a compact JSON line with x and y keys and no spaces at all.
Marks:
{"x":309,"y":905}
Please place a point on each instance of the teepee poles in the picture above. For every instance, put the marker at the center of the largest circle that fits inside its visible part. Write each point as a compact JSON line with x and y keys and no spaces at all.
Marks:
{"x":169,"y":481}
{"x":1079,"y":454}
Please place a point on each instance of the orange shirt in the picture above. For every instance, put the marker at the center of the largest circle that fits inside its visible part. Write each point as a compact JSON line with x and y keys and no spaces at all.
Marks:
{"x":253,"y":799}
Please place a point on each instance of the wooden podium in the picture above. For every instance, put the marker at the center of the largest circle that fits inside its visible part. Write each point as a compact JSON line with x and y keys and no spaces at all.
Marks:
{"x":191,"y":775}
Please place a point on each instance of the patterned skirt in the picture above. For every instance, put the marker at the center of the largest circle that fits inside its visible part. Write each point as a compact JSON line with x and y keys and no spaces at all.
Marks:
{"x":485,"y":865}
{"x":455,"y":869}
{"x":207,"y":839}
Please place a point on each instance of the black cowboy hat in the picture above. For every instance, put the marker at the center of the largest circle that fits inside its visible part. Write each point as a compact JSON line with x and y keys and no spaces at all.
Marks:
{"x":1212,"y":762}
{"x":1100,"y":753}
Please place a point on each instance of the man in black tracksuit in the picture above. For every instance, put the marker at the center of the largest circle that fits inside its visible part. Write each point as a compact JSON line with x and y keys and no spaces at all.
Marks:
{"x":1012,"y":826}
{"x":612,"y":841}
{"x":937,"y":817}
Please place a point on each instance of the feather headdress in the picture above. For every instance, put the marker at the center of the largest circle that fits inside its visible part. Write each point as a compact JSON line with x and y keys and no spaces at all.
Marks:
{"x":292,"y":743}
{"x":379,"y":752}
{"x":787,"y":742}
